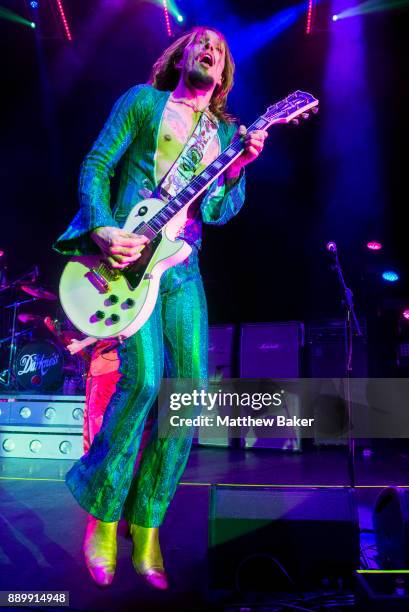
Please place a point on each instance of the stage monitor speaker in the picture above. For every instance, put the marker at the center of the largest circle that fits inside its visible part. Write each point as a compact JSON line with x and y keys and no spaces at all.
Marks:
{"x":271,"y":350}
{"x":281,"y":539}
{"x":391,"y":524}
{"x":383,"y":592}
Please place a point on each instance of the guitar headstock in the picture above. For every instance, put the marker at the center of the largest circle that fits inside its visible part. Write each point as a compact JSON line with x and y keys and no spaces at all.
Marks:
{"x":294,"y":106}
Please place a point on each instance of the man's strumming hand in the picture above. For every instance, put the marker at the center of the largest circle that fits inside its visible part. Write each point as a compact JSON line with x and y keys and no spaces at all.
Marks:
{"x":121,"y":248}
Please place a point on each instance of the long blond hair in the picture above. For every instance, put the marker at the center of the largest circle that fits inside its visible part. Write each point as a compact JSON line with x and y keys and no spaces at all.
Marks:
{"x":165,"y":75}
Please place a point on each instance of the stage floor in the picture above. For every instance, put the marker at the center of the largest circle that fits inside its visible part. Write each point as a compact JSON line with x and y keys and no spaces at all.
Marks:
{"x":42,"y":526}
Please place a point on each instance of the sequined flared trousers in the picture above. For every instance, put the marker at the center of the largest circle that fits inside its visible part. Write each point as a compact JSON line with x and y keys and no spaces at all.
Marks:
{"x":103,"y":480}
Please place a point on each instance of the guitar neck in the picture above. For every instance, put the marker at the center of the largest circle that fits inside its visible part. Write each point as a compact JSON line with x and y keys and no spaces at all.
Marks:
{"x":202,"y":181}
{"x":284,"y":111}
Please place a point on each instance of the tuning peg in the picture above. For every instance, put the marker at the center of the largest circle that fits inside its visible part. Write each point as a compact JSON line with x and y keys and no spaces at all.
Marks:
{"x":315,"y":110}
{"x":295,"y":122}
{"x":305,"y":115}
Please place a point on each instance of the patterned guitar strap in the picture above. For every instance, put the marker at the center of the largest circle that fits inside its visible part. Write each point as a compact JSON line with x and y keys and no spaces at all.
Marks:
{"x":184,"y":168}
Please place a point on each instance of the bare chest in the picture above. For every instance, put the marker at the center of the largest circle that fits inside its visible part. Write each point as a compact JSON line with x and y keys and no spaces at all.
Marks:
{"x":178,"y":123}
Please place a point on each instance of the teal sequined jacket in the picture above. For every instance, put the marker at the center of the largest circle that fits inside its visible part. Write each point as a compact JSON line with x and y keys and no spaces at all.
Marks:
{"x":131,"y":135}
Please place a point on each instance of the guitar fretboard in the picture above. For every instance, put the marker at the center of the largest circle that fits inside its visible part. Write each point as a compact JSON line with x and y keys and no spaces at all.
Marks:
{"x":203,"y":180}
{"x":282,"y":112}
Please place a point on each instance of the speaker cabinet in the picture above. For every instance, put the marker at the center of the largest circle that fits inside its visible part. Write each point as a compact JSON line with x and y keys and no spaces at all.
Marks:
{"x":271,"y":350}
{"x":221,"y":351}
{"x":326,"y":350}
{"x":327,"y":360}
{"x":285,"y":438}
{"x":281,"y":539}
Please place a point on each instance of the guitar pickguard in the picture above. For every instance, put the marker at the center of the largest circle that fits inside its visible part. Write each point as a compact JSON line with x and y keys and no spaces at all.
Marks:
{"x":136,"y":272}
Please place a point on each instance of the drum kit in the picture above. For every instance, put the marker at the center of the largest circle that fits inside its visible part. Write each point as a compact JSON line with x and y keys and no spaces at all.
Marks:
{"x":35,"y":349}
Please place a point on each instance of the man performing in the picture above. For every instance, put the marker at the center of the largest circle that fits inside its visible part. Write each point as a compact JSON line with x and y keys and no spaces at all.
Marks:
{"x":147,"y":130}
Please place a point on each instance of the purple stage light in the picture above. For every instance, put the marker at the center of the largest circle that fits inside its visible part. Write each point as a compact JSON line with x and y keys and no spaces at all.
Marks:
{"x":374,"y":246}
{"x":405,"y":314}
{"x":349,"y":156}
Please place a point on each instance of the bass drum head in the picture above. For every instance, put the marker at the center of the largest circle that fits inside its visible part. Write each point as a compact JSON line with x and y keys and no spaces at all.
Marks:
{"x":39,"y":366}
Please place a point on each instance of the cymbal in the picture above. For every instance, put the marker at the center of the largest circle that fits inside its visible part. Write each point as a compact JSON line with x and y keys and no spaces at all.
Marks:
{"x":39,"y":292}
{"x":27,"y":317}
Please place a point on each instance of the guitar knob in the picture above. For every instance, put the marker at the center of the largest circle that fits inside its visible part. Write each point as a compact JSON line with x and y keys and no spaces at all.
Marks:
{"x":100,"y":315}
{"x":113,"y":299}
{"x":130,"y":302}
{"x":115,"y":318}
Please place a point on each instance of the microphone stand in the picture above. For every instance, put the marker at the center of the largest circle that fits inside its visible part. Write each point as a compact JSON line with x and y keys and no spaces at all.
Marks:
{"x":351,"y":321}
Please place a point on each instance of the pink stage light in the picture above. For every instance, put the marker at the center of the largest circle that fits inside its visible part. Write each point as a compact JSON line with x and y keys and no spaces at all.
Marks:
{"x":309,"y":16}
{"x":167,"y":20}
{"x":64,"y":20}
{"x":405,"y":314}
{"x":374,"y":246}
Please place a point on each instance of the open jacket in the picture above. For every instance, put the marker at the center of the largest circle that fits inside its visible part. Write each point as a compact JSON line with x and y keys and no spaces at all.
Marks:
{"x":131,"y":135}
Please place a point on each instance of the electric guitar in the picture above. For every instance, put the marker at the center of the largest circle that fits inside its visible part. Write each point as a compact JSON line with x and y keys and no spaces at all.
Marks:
{"x":103,"y":302}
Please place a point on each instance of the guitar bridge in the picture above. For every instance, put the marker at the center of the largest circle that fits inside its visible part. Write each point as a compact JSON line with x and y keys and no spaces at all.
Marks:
{"x":101,"y":276}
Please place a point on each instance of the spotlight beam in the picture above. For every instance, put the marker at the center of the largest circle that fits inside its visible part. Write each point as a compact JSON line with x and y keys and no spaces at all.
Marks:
{"x":5,"y":13}
{"x":259,"y":34}
{"x":371,"y":6}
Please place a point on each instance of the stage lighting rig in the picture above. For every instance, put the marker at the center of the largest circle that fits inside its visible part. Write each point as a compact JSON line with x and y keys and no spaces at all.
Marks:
{"x":49,"y":18}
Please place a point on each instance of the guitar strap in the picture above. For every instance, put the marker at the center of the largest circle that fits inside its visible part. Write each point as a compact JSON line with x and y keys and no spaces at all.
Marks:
{"x":185,"y":166}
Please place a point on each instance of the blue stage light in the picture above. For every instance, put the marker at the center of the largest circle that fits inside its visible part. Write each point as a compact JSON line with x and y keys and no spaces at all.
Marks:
{"x":390,"y":276}
{"x":34,"y":4}
{"x":179,"y":18}
{"x":334,"y":17}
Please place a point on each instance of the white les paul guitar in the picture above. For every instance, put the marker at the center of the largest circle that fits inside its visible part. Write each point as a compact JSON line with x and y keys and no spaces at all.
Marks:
{"x":103,"y":302}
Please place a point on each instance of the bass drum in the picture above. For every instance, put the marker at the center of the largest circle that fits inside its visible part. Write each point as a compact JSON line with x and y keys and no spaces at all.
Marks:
{"x":42,"y":365}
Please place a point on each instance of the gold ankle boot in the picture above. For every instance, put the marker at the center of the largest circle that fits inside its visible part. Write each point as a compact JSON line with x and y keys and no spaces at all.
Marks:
{"x":147,"y":557}
{"x":100,"y":550}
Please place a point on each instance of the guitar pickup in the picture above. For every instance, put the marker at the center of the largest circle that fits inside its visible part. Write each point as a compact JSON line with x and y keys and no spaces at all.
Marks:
{"x":100,"y":283}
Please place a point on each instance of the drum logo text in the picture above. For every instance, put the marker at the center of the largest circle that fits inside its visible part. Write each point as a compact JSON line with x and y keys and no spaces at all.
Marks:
{"x":37,"y":362}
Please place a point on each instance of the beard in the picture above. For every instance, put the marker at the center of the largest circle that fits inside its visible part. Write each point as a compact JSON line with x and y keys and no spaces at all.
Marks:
{"x":198,"y":78}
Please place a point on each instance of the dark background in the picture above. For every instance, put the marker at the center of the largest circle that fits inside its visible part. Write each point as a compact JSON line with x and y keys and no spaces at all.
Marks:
{"x":270,"y":262}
